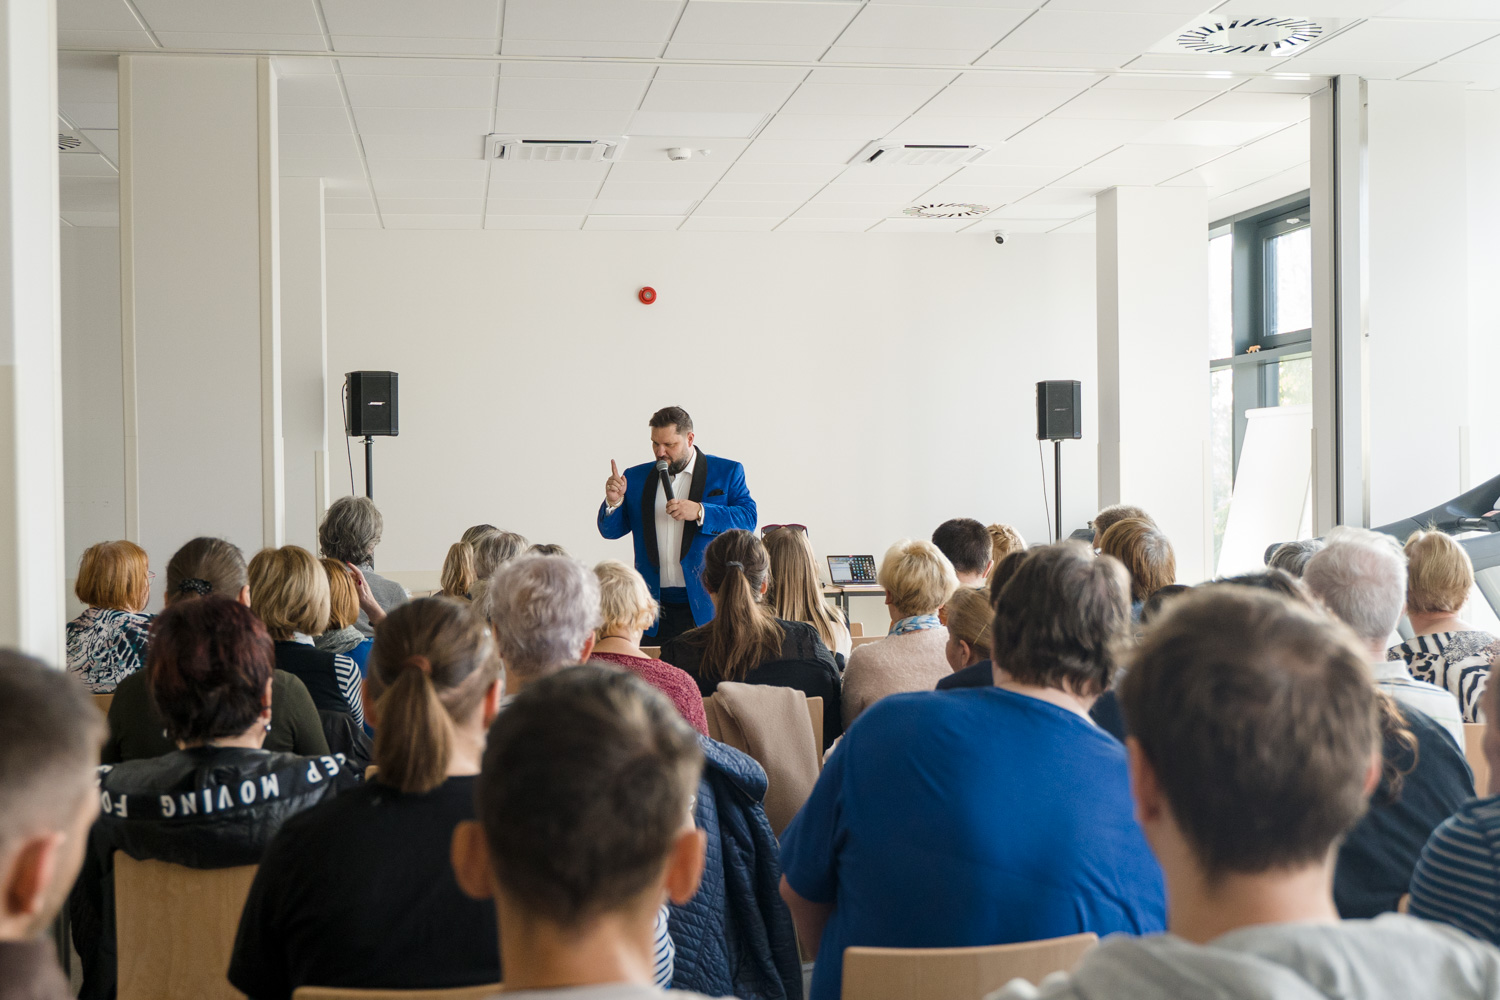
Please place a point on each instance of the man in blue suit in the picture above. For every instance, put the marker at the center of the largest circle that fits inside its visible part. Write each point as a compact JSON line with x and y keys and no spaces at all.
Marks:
{"x":709,"y":496}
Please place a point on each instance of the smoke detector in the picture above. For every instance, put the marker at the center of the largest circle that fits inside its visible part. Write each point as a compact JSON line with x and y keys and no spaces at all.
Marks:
{"x":67,"y":143}
{"x":946,"y":210}
{"x":520,"y":147}
{"x":1255,"y":36}
{"x":886,"y":153}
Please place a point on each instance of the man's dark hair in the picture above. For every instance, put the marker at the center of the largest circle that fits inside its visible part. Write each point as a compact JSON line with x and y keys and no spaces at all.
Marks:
{"x":1259,"y":719}
{"x":49,"y":744}
{"x":673,"y":416}
{"x":588,"y":778}
{"x":1277,"y":581}
{"x":1003,"y":571}
{"x":1059,"y":618}
{"x":965,"y":542}
{"x":208,"y":666}
{"x":1151,"y":610}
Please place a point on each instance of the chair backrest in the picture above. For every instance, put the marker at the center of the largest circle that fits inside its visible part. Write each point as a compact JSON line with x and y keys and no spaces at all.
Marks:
{"x":652,"y":651}
{"x":760,"y":720}
{"x":175,"y":928}
{"x":1474,"y":751}
{"x":857,"y":641}
{"x":955,"y":973}
{"x":102,"y":702}
{"x":338,"y":993}
{"x":856,"y":630}
{"x":815,"y":713}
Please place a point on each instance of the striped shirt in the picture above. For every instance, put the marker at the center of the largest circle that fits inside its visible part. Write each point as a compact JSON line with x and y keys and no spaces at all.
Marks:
{"x":1438,"y":704}
{"x":1457,"y":880}
{"x":664,"y":952}
{"x":1458,"y":661}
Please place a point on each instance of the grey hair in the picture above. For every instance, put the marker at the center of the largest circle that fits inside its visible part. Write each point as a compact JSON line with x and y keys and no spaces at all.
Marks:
{"x":350,"y":530}
{"x":1293,"y":556}
{"x":495,"y":548}
{"x":543,"y":609}
{"x":1360,"y":576}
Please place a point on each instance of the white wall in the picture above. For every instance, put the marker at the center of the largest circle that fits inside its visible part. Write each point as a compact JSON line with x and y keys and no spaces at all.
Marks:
{"x":873,"y":386}
{"x":1483,"y":134}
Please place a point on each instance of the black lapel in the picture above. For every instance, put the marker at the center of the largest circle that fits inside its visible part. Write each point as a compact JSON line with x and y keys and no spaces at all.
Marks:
{"x":695,"y":494}
{"x":648,"y":517}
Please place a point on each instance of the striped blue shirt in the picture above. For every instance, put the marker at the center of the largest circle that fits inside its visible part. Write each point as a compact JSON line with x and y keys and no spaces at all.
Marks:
{"x":1457,"y":880}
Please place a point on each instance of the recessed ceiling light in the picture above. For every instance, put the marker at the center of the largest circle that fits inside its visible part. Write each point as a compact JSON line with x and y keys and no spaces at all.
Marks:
{"x":1293,"y":221}
{"x":1260,"y":36}
{"x":946,"y":210}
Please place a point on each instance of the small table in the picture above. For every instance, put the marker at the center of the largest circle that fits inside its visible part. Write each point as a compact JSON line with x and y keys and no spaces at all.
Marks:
{"x":842,"y":592}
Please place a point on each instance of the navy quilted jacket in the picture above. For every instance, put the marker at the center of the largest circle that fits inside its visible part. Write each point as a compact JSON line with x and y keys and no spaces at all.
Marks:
{"x":735,"y":937}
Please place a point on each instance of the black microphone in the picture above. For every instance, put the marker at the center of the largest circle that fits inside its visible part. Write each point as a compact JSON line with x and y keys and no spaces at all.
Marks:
{"x":666,"y":479}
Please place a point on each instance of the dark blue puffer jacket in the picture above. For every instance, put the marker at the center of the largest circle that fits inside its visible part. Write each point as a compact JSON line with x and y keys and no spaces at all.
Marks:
{"x":735,"y":937}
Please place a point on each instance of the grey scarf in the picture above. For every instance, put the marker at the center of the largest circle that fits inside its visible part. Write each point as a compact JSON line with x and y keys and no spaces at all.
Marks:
{"x":339,"y":640}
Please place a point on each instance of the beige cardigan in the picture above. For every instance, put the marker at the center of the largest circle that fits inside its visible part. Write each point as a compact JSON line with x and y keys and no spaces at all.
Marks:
{"x":915,"y":661}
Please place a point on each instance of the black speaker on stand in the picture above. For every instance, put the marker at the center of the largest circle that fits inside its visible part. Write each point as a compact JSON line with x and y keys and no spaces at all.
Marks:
{"x":371,"y":410}
{"x":1059,"y":416}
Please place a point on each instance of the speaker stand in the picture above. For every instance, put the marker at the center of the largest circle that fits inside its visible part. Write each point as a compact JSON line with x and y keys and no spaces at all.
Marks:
{"x":370,"y":467}
{"x":1056,"y":488}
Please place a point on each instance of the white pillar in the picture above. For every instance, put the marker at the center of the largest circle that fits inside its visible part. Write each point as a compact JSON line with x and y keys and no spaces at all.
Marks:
{"x":304,"y":358}
{"x":1483,"y":215}
{"x":31,"y":472}
{"x":199,"y":290}
{"x":1153,"y":363}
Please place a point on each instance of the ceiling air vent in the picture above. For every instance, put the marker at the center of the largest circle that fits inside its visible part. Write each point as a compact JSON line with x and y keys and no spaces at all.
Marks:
{"x":946,"y":210}
{"x":519,"y":147}
{"x":67,"y":142}
{"x":925,"y":154}
{"x":1251,"y":36}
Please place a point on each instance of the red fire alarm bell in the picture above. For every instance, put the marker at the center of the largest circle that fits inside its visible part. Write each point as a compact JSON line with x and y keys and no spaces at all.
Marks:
{"x":647,"y":295}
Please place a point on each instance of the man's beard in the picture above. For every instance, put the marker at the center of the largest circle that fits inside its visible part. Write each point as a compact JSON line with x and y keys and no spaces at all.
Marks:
{"x":679,"y":465}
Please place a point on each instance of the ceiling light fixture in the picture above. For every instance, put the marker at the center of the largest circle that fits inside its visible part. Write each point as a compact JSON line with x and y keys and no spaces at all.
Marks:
{"x":1259,"y":36}
{"x":1293,"y":221}
{"x":946,"y":210}
{"x":67,"y":142}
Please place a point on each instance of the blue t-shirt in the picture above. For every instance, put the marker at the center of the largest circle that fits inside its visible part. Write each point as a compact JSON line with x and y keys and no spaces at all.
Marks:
{"x":974,"y":817}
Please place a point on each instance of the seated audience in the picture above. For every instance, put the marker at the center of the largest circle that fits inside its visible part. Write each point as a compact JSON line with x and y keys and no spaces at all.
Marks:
{"x":475,"y":532}
{"x":628,"y":609}
{"x":343,"y":611}
{"x":349,"y":533}
{"x":985,"y":816}
{"x":107,"y":642}
{"x":358,"y":892}
{"x":207,"y":567}
{"x":796,"y":591}
{"x":547,"y":549}
{"x":210,"y":675}
{"x":1107,"y":518}
{"x":1360,"y":576}
{"x":49,"y":734}
{"x":1003,"y":541}
{"x":968,"y":547}
{"x":1444,"y":649}
{"x":745,"y":642}
{"x":289,"y":593}
{"x":577,"y":870}
{"x":1147,"y":555}
{"x":969,"y":618}
{"x":917,"y":580}
{"x":1293,"y":556}
{"x":544,"y":610}
{"x":1246,"y":838}
{"x":492,"y":550}
{"x":982,"y":673}
{"x":1106,"y":711}
{"x":458,"y":577}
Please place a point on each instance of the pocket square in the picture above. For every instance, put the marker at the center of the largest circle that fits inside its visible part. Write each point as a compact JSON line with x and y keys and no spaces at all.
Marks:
{"x":715,"y":493}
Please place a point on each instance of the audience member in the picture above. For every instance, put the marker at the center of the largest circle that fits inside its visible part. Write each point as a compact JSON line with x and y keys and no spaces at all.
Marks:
{"x":745,"y":641}
{"x":578,"y":870}
{"x":1147,"y":556}
{"x":207,"y":567}
{"x":917,"y":579}
{"x":544,"y":610}
{"x":457,"y":578}
{"x":796,"y":591}
{"x":1159,"y":599}
{"x":1360,"y":576}
{"x":1246,"y":837}
{"x":107,"y":642}
{"x":48,"y":737}
{"x":475,"y":532}
{"x":1107,"y":517}
{"x":982,"y":673}
{"x":210,"y":675}
{"x":340,"y":635}
{"x":969,"y":619}
{"x":1444,"y":649}
{"x":1293,"y":556}
{"x":492,"y":550}
{"x":628,"y":609}
{"x":983,"y":816}
{"x":349,"y":533}
{"x":289,"y":593}
{"x":1106,"y":711}
{"x":547,"y":549}
{"x":968,"y":547}
{"x":358,"y":892}
{"x":1003,"y":541}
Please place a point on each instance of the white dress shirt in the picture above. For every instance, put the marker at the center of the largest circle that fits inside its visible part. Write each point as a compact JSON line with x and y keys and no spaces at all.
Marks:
{"x":1393,"y":677}
{"x":668,"y":528}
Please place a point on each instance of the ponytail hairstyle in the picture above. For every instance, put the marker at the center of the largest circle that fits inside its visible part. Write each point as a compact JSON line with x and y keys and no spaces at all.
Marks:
{"x":206,"y":566}
{"x":458,"y":571}
{"x":744,"y":633}
{"x":432,"y":662}
{"x":796,"y":593}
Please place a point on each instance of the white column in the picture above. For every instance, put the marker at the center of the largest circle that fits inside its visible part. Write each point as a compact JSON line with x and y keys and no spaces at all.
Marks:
{"x":1483,"y":215}
{"x":304,"y":358}
{"x":31,"y":471}
{"x":199,"y":290}
{"x":1153,"y":363}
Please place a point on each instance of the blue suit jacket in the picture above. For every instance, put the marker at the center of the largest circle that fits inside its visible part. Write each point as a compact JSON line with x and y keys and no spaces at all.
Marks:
{"x":719,"y":485}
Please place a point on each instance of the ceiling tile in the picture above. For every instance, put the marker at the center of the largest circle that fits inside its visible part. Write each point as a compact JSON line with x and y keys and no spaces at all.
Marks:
{"x":1013,"y":226}
{"x":828,"y":151}
{"x":653,"y":148}
{"x":583,"y":49}
{"x":805,"y":225}
{"x":580,"y":70}
{"x":666,"y":171}
{"x":749,"y":191}
{"x":850,"y":210}
{"x":309,"y":92}
{"x":907,"y":56}
{"x":97,"y":39}
{"x":540,"y":94}
{"x":1086,"y":225}
{"x":1142,"y":165}
{"x":101,"y":220}
{"x":318,"y":164}
{"x":924,"y":226}
{"x":535,"y":171}
{"x":240,"y":41}
{"x":96,"y":15}
{"x":709,"y":223}
{"x":589,"y":20}
{"x":85,"y":165}
{"x":534,"y":222}
{"x":999,"y":102}
{"x":1134,"y":6}
{"x":290,"y":121}
{"x":88,"y":77}
{"x":1250,"y":107}
{"x":90,"y":194}
{"x":696,"y":123}
{"x":747,"y":209}
{"x":904,"y":176}
{"x":349,"y":206}
{"x":1400,"y":41}
{"x":1008,"y":175}
{"x":1370,"y":69}
{"x":1209,"y":82}
{"x":441,"y":18}
{"x":632,"y":222}
{"x":782,"y":173}
{"x":92,"y":116}
{"x":411,"y":43}
{"x":1294,"y":83}
{"x":431,"y":206}
{"x":829,"y":127}
{"x":453,"y":146}
{"x":1198,"y":63}
{"x":563,"y":124}
{"x":1080,"y":133}
{"x":294,"y":17}
{"x":1060,"y":60}
{"x":648,"y":191}
{"x":1054,"y":30}
{"x":1206,"y":133}
{"x":371,"y":221}
{"x":1247,"y":197}
{"x":1484,"y":75}
{"x":368,"y":66}
{"x":851,"y":99}
{"x":319,"y":144}
{"x":642,"y":206}
{"x":763,"y":22}
{"x":1021,"y":211}
{"x":399,"y":188}
{"x":880,"y":25}
{"x":729,"y":74}
{"x":431,"y":221}
{"x":1458,"y":10}
{"x":539,"y":206}
{"x":702,"y":95}
{"x":934,"y":128}
{"x":420,"y":91}
{"x":977,"y":195}
{"x":1281,"y":151}
{"x":392,"y":168}
{"x":288,"y":66}
{"x":419,"y":121}
{"x":107,"y":141}
{"x":786,"y":52}
{"x":1139,"y":105}
{"x":891,"y":191}
{"x":862,"y":76}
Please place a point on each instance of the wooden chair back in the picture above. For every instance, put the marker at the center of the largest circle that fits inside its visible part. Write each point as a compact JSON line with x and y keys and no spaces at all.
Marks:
{"x":815,"y":712}
{"x":102,"y":702}
{"x":1474,"y":751}
{"x":956,"y":973}
{"x":857,"y":641}
{"x":652,"y":651}
{"x":338,"y":993}
{"x":175,"y":928}
{"x":856,"y":630}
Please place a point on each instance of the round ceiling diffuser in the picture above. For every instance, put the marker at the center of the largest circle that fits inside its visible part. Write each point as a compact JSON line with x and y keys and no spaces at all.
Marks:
{"x":1257,"y":36}
{"x":946,"y":210}
{"x":68,"y":141}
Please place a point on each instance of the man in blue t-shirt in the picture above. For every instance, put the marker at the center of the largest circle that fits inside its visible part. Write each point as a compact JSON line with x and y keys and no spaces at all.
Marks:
{"x":984,"y":816}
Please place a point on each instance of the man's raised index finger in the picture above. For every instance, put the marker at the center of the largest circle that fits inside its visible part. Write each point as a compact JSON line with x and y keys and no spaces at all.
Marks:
{"x":613,"y":469}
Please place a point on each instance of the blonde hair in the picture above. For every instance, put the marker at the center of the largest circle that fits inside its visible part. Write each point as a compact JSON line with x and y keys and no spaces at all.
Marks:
{"x":458,"y":571}
{"x":343,"y":598}
{"x":1439,"y":573}
{"x":916,"y":577}
{"x":113,"y":575}
{"x":289,"y":591}
{"x":624,"y":599}
{"x":1146,"y":553}
{"x":1003,"y":541}
{"x":970,"y":618}
{"x":796,"y":592}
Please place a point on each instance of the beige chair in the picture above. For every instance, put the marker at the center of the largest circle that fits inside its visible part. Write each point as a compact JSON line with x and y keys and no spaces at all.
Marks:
{"x":335,"y":993}
{"x":857,"y":641}
{"x":1474,"y":751}
{"x":652,"y":651}
{"x":955,"y":973}
{"x":102,"y":702}
{"x":815,"y":713}
{"x":856,"y":630}
{"x":175,"y":928}
{"x":766,"y":722}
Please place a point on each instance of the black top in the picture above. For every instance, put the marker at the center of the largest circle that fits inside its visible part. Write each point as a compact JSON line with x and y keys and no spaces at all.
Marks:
{"x":976,"y":675}
{"x":359,"y":893}
{"x":1377,"y":858}
{"x":805,"y":664}
{"x":1107,"y":715}
{"x":315,"y":668}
